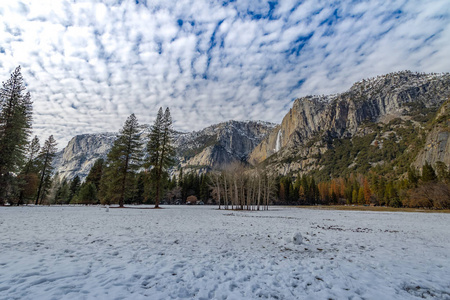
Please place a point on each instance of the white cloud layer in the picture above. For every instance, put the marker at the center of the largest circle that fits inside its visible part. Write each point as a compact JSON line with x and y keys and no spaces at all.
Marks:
{"x":90,"y":64}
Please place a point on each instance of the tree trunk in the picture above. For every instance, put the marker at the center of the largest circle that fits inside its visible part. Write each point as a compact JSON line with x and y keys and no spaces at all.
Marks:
{"x":42,"y":180}
{"x":158,"y":181}
{"x":125,"y":172}
{"x":236,"y":194}
{"x":226,"y":191}
{"x":259,"y":189}
{"x":218,"y":188}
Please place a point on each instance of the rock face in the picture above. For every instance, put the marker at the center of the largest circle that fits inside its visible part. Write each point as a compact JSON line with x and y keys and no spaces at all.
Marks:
{"x":313,"y":120}
{"x":220,"y":144}
{"x":437,"y":145}
{"x":215,"y":145}
{"x":81,"y":152}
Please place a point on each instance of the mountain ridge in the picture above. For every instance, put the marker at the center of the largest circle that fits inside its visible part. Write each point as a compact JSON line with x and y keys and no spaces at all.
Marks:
{"x":313,"y":122}
{"x":202,"y":150}
{"x":314,"y":126}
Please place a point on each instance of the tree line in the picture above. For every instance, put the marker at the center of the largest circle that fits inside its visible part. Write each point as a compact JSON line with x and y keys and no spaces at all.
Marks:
{"x":430,"y":189}
{"x":25,"y":166}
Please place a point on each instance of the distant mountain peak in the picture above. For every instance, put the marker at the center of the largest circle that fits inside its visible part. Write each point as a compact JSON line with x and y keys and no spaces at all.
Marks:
{"x":212,"y":146}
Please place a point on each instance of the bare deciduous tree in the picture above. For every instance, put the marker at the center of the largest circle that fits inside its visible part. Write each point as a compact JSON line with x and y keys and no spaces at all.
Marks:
{"x":238,"y":187}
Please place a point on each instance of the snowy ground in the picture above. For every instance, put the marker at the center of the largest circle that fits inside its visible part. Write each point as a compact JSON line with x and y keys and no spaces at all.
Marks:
{"x":204,"y":253}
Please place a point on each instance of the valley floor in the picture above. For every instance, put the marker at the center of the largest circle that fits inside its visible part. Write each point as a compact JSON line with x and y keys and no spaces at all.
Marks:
{"x":204,"y":253}
{"x":376,"y":208}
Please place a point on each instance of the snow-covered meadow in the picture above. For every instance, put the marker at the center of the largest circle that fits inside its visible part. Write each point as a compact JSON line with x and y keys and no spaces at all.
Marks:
{"x":204,"y":253}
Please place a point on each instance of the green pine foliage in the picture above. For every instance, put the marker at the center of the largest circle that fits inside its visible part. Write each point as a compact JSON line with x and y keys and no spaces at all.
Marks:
{"x":160,"y":151}
{"x":87,"y":194}
{"x":74,"y":188}
{"x":154,"y":142}
{"x":48,"y":152}
{"x":28,"y":177}
{"x":95,"y":174}
{"x":124,"y":159}
{"x":62,"y":195}
{"x":302,"y":191}
{"x":15,"y":129}
{"x":204,"y":188}
{"x":442,"y":172}
{"x":387,"y":150}
{"x":140,"y":194}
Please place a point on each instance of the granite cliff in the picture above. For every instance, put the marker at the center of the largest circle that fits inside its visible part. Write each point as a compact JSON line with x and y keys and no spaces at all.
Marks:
{"x":437,"y":144}
{"x":314,"y":122}
{"x":220,"y":144}
{"x":81,"y":152}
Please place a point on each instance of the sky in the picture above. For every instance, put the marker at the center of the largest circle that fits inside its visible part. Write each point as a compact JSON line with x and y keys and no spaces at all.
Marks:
{"x":90,"y":64}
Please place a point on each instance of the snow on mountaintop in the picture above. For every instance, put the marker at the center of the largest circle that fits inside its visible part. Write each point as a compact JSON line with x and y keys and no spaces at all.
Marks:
{"x":396,"y":80}
{"x":205,"y":253}
{"x":250,"y":130}
{"x":391,"y":81}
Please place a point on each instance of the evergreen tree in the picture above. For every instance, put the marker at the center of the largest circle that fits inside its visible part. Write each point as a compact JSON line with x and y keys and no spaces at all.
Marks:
{"x":87,"y":193}
{"x":355,"y":197}
{"x":28,"y":177}
{"x":140,"y":188}
{"x":74,"y":188}
{"x":361,"y":196}
{"x":15,"y":129}
{"x":282,"y":193}
{"x":46,"y":189}
{"x":31,"y":165}
{"x":391,"y":195}
{"x":154,"y":142}
{"x":303,"y":190}
{"x":160,"y":149}
{"x":413,"y":179}
{"x":96,"y":172}
{"x":428,"y":173}
{"x":172,"y":183}
{"x":443,"y":172}
{"x":62,"y":193}
{"x":125,"y":157}
{"x":313,"y":191}
{"x":46,"y":156}
{"x":292,"y":197}
{"x":204,"y":188}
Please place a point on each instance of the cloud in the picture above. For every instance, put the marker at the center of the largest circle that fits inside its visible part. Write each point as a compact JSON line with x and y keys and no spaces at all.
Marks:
{"x":90,"y":64}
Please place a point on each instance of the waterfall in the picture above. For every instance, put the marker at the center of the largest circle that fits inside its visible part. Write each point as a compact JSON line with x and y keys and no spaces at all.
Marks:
{"x":278,"y":143}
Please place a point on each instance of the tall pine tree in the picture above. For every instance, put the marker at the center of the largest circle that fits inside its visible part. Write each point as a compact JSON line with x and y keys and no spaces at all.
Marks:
{"x":15,"y":129}
{"x":46,"y":156}
{"x":95,"y":174}
{"x":28,"y":177}
{"x":160,"y":149}
{"x":125,"y":157}
{"x":74,"y":188}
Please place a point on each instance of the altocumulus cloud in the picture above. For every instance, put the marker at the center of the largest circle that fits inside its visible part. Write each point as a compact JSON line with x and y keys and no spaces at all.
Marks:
{"x":89,"y":64}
